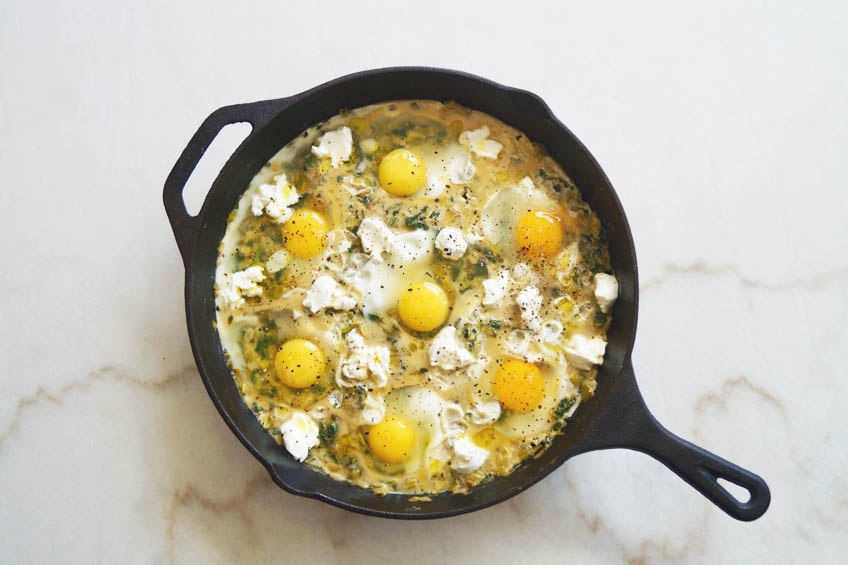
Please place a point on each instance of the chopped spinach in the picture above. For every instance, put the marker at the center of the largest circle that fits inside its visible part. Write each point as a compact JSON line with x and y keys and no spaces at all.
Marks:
{"x":262,"y":345}
{"x":593,"y":250}
{"x":302,"y":200}
{"x":600,"y":319}
{"x":479,"y":269}
{"x":327,"y":432}
{"x":416,"y":221}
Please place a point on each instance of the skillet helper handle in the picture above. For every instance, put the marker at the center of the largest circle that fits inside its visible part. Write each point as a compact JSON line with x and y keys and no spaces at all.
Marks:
{"x":183,"y":224}
{"x":626,"y":422}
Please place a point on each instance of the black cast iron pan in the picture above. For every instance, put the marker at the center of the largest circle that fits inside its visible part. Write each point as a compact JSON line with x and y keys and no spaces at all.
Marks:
{"x":615,"y":417}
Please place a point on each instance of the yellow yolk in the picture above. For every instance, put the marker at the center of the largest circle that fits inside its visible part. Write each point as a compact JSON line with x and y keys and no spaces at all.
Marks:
{"x":538,"y":234}
{"x":305,"y":234}
{"x":401,"y":173}
{"x":423,"y":306}
{"x":299,"y":363}
{"x":519,"y":385}
{"x":391,"y":440}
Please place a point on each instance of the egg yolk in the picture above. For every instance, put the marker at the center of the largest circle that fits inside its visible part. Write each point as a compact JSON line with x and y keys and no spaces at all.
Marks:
{"x":423,"y":306}
{"x":299,"y":363}
{"x":538,"y":234}
{"x":519,"y":385}
{"x":391,"y":440}
{"x":401,"y":173}
{"x":305,"y":234}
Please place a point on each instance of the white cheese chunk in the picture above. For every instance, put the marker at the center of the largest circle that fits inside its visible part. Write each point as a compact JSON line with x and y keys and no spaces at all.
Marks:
{"x":363,"y":363}
{"x":530,"y":302}
{"x":355,"y":185}
{"x":376,"y":237}
{"x":274,"y":199}
{"x":461,"y":169}
{"x":277,"y":261}
{"x":522,"y":272}
{"x":336,"y":145}
{"x":478,"y":142}
{"x":495,"y":288}
{"x":467,"y":456}
{"x":583,"y":352}
{"x":243,"y":283}
{"x":520,"y":344}
{"x":452,"y":419}
{"x":447,"y":353}
{"x":606,"y":291}
{"x":451,"y":243}
{"x":551,"y":332}
{"x":327,"y":293}
{"x":300,"y":434}
{"x":412,"y":246}
{"x":337,"y":242}
{"x":373,"y":410}
{"x":483,"y":413}
{"x":369,"y":145}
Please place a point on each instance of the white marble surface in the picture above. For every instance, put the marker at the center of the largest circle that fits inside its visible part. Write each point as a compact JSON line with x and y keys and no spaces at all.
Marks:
{"x":722,"y":126}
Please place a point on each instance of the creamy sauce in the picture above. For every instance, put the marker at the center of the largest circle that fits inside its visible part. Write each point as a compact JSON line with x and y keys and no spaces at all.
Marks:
{"x":514,"y":278}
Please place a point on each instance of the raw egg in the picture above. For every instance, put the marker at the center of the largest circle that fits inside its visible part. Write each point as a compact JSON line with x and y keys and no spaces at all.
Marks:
{"x":392,"y":440}
{"x":299,"y":363}
{"x":305,"y":233}
{"x":423,"y":307}
{"x":401,"y":173}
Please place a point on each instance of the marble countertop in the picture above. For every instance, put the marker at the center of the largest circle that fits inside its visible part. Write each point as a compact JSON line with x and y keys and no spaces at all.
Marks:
{"x":722,"y":127}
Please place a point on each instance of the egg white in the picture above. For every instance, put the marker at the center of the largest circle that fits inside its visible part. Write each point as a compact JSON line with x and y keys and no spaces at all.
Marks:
{"x":538,"y":420}
{"x":448,"y":165}
{"x":502,"y":211}
{"x":380,"y":283}
{"x":421,"y":408}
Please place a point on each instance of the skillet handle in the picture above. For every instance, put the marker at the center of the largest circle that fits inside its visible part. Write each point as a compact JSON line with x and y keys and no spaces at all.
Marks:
{"x":184,"y":225}
{"x":626,"y":422}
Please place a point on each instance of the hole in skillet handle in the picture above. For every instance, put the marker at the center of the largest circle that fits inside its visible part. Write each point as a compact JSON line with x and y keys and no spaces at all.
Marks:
{"x":742,"y":494}
{"x":184,"y":225}
{"x":738,"y":492}
{"x":206,"y":170}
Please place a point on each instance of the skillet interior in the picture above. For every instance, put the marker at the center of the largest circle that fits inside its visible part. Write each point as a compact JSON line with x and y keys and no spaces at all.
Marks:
{"x":517,"y":108}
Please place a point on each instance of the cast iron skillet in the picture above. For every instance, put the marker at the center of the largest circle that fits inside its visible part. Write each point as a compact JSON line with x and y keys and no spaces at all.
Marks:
{"x":615,"y":417}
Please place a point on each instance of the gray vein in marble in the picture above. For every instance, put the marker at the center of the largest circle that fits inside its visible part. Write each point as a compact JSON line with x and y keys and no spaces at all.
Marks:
{"x":236,"y":504}
{"x":728,"y":386}
{"x":596,"y":524}
{"x":701,"y":267}
{"x":106,"y":372}
{"x":733,"y":385}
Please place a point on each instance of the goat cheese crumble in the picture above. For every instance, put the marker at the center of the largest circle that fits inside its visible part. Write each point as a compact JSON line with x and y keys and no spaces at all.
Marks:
{"x":451,"y":243}
{"x":606,"y":291}
{"x":478,"y":142}
{"x":530,"y":302}
{"x":337,"y":145}
{"x":363,"y":363}
{"x":327,"y":293}
{"x":583,"y":352}
{"x":274,"y":199}
{"x":243,"y":283}
{"x":300,"y":434}
{"x":446,"y":353}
